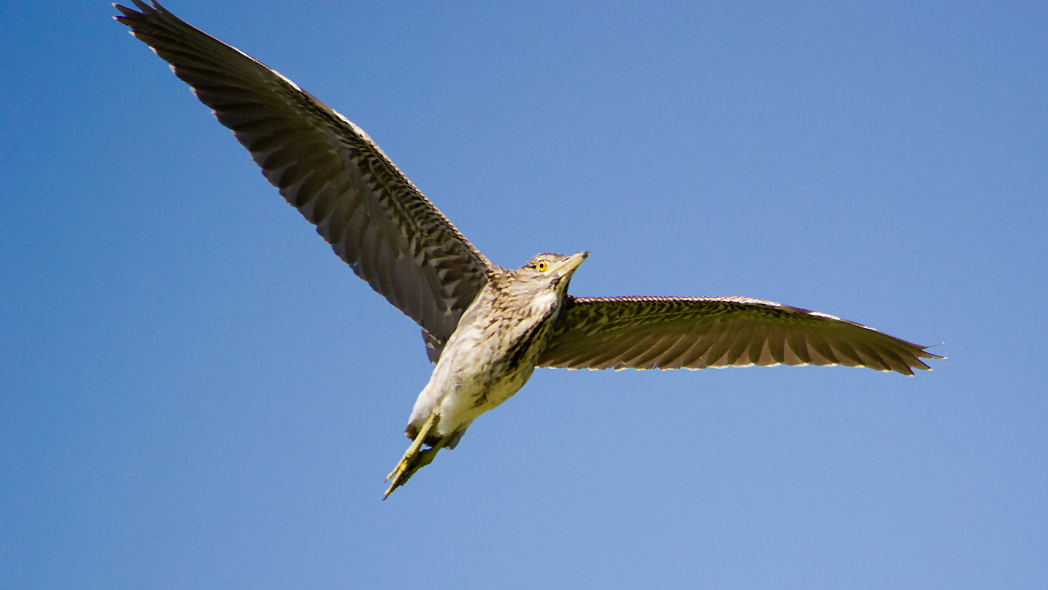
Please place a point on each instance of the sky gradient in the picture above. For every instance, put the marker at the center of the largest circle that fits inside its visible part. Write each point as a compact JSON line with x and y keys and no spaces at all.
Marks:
{"x":196,"y":393}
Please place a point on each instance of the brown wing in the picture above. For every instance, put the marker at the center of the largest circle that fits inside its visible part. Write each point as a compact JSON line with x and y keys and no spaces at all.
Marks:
{"x":327,"y":167}
{"x":700,"y":332}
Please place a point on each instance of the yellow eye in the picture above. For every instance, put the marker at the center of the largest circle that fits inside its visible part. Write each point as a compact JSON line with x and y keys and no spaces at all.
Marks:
{"x":542,"y":265}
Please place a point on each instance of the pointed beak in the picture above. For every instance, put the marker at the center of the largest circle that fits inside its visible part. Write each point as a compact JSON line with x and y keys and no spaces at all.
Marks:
{"x":568,"y":265}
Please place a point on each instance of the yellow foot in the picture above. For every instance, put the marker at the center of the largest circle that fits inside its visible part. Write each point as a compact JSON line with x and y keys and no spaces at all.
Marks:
{"x":414,"y":458}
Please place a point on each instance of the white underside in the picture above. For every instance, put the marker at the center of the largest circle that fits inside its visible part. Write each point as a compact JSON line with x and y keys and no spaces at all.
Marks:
{"x":463,"y":384}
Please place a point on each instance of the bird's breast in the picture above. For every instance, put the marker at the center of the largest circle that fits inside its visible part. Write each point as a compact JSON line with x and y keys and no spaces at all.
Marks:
{"x":488,"y":358}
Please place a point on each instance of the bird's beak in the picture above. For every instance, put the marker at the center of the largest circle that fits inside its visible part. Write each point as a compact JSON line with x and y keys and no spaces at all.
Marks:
{"x":569,"y":264}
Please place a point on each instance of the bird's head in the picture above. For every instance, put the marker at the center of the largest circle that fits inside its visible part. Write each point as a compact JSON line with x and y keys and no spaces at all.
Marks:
{"x":551,"y":270}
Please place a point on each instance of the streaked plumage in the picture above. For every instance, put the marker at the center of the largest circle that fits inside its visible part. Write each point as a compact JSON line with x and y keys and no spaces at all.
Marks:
{"x":485,"y":327}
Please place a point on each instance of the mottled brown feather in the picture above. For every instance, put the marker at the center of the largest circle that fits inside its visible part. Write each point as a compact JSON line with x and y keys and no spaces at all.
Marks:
{"x":700,"y":332}
{"x":330,"y":170}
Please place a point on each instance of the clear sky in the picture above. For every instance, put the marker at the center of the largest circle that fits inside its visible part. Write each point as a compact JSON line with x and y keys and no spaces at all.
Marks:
{"x":196,"y":393}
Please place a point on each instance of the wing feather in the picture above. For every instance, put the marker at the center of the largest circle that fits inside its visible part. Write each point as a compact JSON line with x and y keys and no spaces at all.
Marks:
{"x":700,"y":332}
{"x":330,"y":170}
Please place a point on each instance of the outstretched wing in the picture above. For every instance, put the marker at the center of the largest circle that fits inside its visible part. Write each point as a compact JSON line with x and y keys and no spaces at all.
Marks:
{"x":700,"y":332}
{"x":330,"y":170}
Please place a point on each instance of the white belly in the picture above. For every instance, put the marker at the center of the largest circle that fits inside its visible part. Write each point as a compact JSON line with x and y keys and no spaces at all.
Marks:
{"x":469,"y":379}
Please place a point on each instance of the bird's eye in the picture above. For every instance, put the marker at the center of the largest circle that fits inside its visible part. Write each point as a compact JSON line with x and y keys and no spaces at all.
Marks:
{"x":542,"y":265}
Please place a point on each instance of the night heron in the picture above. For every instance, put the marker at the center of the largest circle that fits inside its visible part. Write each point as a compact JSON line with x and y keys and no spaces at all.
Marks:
{"x":485,"y":327}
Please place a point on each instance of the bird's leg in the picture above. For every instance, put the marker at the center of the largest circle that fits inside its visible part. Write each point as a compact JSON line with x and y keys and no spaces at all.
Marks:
{"x":422,"y":459}
{"x":425,"y":458}
{"x":409,"y":463}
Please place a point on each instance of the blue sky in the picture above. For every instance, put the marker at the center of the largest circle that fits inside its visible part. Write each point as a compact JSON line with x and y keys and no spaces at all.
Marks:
{"x":196,"y":393}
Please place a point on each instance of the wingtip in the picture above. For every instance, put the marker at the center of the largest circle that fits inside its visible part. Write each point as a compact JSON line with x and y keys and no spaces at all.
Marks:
{"x":932,"y":355}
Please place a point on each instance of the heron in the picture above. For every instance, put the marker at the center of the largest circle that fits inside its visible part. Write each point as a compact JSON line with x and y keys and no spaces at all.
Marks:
{"x":485,"y":328}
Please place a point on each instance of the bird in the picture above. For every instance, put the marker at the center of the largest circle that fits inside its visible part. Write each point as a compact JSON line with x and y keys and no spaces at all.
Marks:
{"x":485,"y":328}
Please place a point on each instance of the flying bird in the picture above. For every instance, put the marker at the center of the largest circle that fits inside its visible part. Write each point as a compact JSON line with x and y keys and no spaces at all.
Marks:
{"x":485,"y":327}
